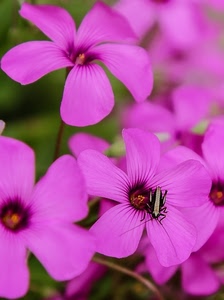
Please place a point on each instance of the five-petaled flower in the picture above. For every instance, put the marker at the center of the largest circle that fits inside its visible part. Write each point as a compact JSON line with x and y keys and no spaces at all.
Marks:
{"x":40,"y":218}
{"x":88,"y":96}
{"x":147,"y":198}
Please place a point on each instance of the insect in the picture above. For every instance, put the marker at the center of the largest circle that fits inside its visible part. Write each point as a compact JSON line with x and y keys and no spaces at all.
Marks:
{"x":155,"y":205}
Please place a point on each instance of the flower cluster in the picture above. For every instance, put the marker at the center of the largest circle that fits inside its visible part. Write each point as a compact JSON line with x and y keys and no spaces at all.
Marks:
{"x":158,"y":183}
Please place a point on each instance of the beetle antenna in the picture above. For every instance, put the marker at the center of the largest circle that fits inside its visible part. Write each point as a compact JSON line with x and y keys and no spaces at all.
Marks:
{"x":136,"y":226}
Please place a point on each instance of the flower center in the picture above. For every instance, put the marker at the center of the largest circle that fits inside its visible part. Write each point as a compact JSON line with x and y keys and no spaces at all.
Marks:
{"x":80,"y":59}
{"x":150,"y":201}
{"x":14,"y":216}
{"x":217,"y":193}
{"x":139,"y":199}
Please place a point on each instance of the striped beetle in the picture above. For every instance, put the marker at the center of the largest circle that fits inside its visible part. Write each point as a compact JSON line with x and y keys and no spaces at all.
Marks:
{"x":155,"y":205}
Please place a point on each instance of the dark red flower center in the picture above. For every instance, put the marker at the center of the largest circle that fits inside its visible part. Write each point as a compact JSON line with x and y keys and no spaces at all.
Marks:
{"x":80,"y":59}
{"x":14,"y":216}
{"x":217,"y":193}
{"x":139,"y":199}
{"x":150,"y":201}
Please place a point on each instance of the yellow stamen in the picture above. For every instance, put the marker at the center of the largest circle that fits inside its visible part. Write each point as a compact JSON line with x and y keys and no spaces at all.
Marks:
{"x":11,"y":220}
{"x":15,"y":218}
{"x":138,"y":201}
{"x":219,"y":195}
{"x":80,"y":60}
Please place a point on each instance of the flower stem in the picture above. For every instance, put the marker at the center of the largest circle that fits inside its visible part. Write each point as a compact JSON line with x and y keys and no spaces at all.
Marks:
{"x":126,"y":271}
{"x":94,"y":201}
{"x":61,"y":130}
{"x":59,"y":140}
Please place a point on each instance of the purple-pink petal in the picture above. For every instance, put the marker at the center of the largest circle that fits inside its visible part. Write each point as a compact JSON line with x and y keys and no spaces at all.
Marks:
{"x":82,"y":141}
{"x":118,"y":231}
{"x":30,"y":61}
{"x":141,"y":21}
{"x":102,"y":177}
{"x":178,"y":155}
{"x":80,"y":286}
{"x":103,"y":24}
{"x":173,"y":239}
{"x":210,"y":253}
{"x":180,"y":23}
{"x":88,"y":96}
{"x":61,"y":194}
{"x":17,"y":170}
{"x":188,"y":184}
{"x":198,"y":278}
{"x":204,"y":218}
{"x":191,"y":105}
{"x":53,"y":21}
{"x":14,"y":275}
{"x":142,"y":154}
{"x":213,"y":149}
{"x":159,"y":273}
{"x":64,"y":250}
{"x":131,"y":65}
{"x":148,"y":115}
{"x":217,"y":4}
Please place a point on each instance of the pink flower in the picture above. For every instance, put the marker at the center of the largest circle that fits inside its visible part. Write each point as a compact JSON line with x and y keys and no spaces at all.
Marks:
{"x":201,"y":273}
{"x":88,"y":96}
{"x":216,"y":4}
{"x":40,"y":218}
{"x":81,"y":141}
{"x":146,"y":199}
{"x":212,"y":159}
{"x":79,"y":287}
{"x":212,"y":149}
{"x":179,"y":20}
{"x":191,"y":104}
{"x":2,"y":126}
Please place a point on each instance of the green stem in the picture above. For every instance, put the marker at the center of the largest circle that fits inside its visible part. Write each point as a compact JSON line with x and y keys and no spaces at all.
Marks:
{"x":61,"y":129}
{"x":59,"y":140}
{"x":94,"y":201}
{"x":126,"y":271}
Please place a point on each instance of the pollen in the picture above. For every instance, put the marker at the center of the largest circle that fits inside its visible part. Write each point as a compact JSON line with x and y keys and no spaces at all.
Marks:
{"x":138,"y":200}
{"x":219,"y":195}
{"x":11,"y":220}
{"x":14,"y":216}
{"x":80,"y":59}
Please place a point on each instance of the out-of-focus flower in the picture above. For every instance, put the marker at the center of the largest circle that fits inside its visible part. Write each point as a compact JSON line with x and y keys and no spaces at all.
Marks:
{"x":200,"y":65}
{"x":211,"y":157}
{"x":201,"y":273}
{"x":40,"y":218}
{"x":189,"y":106}
{"x":2,"y":126}
{"x":82,"y":141}
{"x":179,"y":21}
{"x":146,"y":199}
{"x":213,"y":149}
{"x":216,"y":4}
{"x":79,"y":287}
{"x":88,"y":96}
